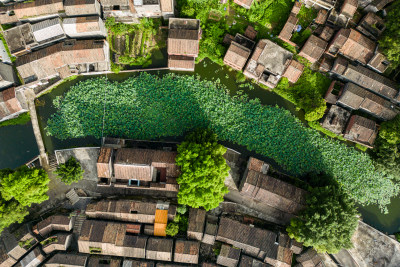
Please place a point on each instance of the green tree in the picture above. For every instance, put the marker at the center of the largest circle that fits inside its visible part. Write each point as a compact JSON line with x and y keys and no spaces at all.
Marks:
{"x":11,"y":212}
{"x":25,"y":185}
{"x":328,"y":222}
{"x":390,"y":40}
{"x":386,"y":151}
{"x":70,"y":171}
{"x":181,"y":209}
{"x":203,"y":170}
{"x":172,"y":229}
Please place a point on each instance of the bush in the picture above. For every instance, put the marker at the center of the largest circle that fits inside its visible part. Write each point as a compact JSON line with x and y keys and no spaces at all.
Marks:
{"x":389,"y":42}
{"x":149,"y":107}
{"x":172,"y":229}
{"x":327,"y":223}
{"x":181,"y":209}
{"x":70,"y":171}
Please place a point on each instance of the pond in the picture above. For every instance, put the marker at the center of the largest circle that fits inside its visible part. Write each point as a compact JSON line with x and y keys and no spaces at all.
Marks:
{"x":17,"y":143}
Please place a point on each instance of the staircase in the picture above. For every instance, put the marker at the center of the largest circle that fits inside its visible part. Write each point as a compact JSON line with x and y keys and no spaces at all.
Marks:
{"x":52,"y":162}
{"x":72,"y":196}
{"x":80,"y":218}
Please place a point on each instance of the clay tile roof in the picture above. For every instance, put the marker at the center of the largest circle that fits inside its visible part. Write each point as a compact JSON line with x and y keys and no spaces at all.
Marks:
{"x":362,"y":130}
{"x":68,"y":259}
{"x":250,"y":32}
{"x":287,"y":30}
{"x":181,"y":62}
{"x":144,"y":156}
{"x":322,"y":16}
{"x":183,"y":42}
{"x":158,"y":244}
{"x":358,"y":47}
{"x":167,"y":5}
{"x":244,"y":3}
{"x":349,"y":8}
{"x":294,"y":71}
{"x":197,"y":218}
{"x":327,"y":33}
{"x":105,"y":155}
{"x":187,"y":247}
{"x":237,"y":56}
{"x":313,"y":48}
{"x":379,"y":62}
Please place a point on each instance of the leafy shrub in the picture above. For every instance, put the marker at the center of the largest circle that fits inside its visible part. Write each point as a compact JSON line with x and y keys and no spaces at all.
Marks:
{"x":172,"y":229}
{"x":389,"y":42}
{"x":149,"y":107}
{"x":181,"y":209}
{"x":70,"y":171}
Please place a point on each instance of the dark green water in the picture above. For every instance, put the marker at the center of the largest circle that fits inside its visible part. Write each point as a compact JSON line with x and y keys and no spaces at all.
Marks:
{"x":17,"y":143}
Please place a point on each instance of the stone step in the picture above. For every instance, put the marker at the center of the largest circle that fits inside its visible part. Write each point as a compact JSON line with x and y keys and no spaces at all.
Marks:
{"x":72,"y":196}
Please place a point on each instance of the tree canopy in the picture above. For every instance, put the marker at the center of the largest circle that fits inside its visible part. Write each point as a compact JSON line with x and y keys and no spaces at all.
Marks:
{"x":203,"y":170}
{"x":390,"y":40}
{"x":70,"y":171}
{"x":328,"y":222}
{"x":25,"y":185}
{"x":386,"y":151}
{"x":11,"y":212}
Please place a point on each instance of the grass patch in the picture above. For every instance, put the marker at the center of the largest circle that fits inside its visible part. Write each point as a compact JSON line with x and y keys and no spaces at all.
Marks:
{"x":22,"y":119}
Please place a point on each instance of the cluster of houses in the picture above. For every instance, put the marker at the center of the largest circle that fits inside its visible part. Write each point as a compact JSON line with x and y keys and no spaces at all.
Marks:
{"x":347,"y":50}
{"x":132,"y":233}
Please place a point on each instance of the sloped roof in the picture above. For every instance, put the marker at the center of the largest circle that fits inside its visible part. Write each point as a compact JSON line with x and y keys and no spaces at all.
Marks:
{"x":379,"y":62}
{"x":357,"y":46}
{"x":274,"y":58}
{"x":68,"y":259}
{"x":19,"y":38}
{"x":160,"y":245}
{"x":143,"y":156}
{"x":349,"y":8}
{"x":313,"y":48}
{"x":322,"y":16}
{"x":47,"y":30}
{"x":361,"y":129}
{"x":181,"y":62}
{"x":196,"y":221}
{"x":82,"y":24}
{"x":287,"y":30}
{"x":237,"y":55}
{"x":293,"y":71}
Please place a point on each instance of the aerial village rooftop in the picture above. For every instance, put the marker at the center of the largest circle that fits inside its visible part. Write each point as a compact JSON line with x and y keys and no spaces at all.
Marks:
{"x":122,"y":210}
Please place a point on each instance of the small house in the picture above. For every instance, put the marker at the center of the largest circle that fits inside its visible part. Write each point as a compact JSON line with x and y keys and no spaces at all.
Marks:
{"x":210,"y":230}
{"x":187,"y":251}
{"x":122,"y":10}
{"x":268,"y":63}
{"x":244,"y":3}
{"x":313,"y":49}
{"x":295,"y":246}
{"x":104,"y":166}
{"x":336,"y":119}
{"x":353,"y":45}
{"x":250,"y":32}
{"x":161,"y":219}
{"x":196,"y":221}
{"x":183,"y":40}
{"x":159,"y":249}
{"x":59,"y":242}
{"x":349,"y":8}
{"x":309,"y":258}
{"x":103,"y":261}
{"x":280,"y":253}
{"x":256,"y":184}
{"x":16,"y":243}
{"x":109,"y":238}
{"x":252,"y":240}
{"x":322,"y":16}
{"x":10,"y":106}
{"x":366,"y":78}
{"x":20,"y":39}
{"x":379,"y":63}
{"x":30,"y":11}
{"x":236,"y":56}
{"x":54,"y":223}
{"x":7,"y":76}
{"x":67,"y":260}
{"x":181,"y":63}
{"x":371,"y":25}
{"x":137,"y":263}
{"x":48,"y":31}
{"x":358,"y":98}
{"x":293,"y":71}
{"x":327,"y":33}
{"x":361,"y":130}
{"x":287,"y":30}
{"x":84,"y":27}
{"x":247,"y":261}
{"x":228,"y":256}
{"x":82,"y":7}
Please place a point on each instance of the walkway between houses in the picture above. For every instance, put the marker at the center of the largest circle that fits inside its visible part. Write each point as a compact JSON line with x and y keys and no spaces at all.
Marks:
{"x":30,"y":97}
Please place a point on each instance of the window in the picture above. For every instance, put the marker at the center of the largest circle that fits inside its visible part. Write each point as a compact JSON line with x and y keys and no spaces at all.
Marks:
{"x":94,"y":250}
{"x":133,"y":211}
{"x":104,"y":261}
{"x":133,"y":182}
{"x":116,"y":7}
